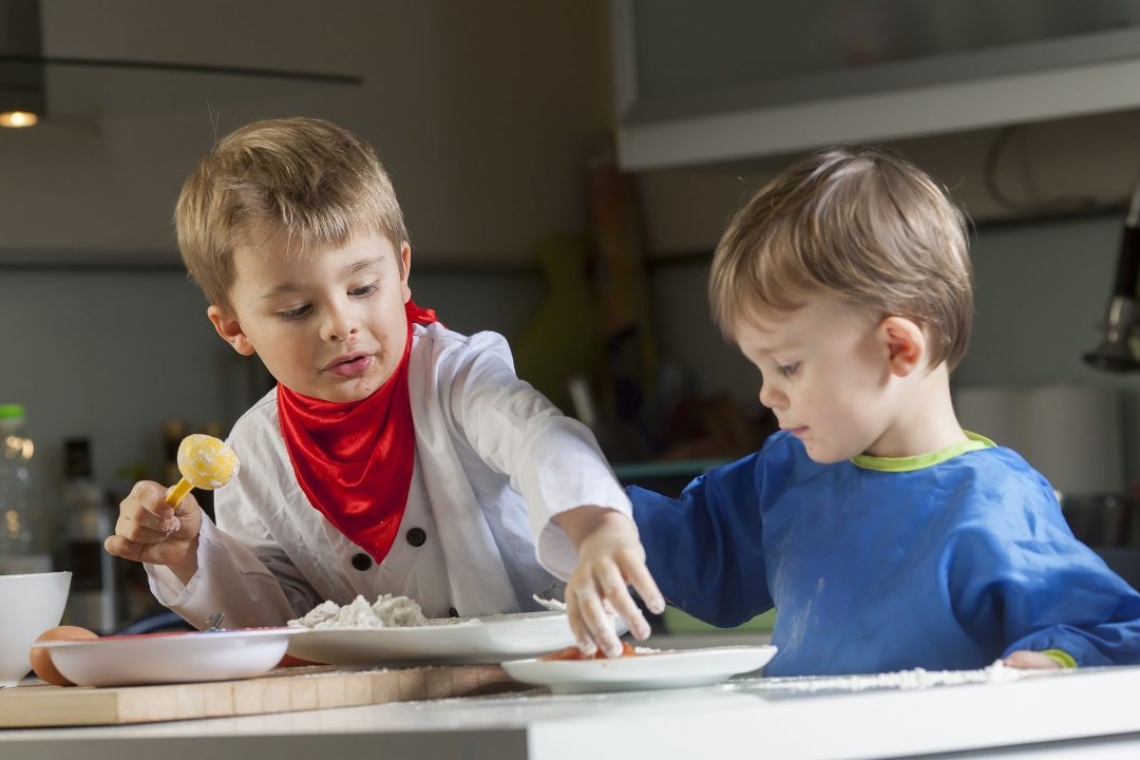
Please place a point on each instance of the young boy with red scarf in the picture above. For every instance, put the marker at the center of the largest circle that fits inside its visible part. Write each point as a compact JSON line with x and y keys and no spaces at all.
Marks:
{"x":394,"y":456}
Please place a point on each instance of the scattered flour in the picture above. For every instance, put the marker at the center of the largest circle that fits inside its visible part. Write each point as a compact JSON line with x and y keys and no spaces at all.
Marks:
{"x":388,"y":612}
{"x":554,"y":605}
{"x":902,"y":679}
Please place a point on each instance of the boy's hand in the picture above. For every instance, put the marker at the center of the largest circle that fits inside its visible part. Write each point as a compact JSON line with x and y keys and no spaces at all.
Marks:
{"x":150,"y":530}
{"x":610,"y":560}
{"x":1027,"y":660}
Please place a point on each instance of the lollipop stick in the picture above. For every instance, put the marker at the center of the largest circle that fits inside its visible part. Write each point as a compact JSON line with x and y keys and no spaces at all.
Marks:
{"x":178,"y":492}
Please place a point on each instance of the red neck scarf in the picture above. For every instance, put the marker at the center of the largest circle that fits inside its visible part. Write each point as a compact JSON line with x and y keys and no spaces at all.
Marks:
{"x":354,"y":460}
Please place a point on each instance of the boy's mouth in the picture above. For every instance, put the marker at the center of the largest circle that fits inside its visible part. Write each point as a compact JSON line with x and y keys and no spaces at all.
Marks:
{"x":352,"y":365}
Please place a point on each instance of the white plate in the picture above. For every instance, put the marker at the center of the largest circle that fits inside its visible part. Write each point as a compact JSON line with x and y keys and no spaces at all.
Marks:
{"x":178,"y":657}
{"x":489,"y":639}
{"x":670,"y":669}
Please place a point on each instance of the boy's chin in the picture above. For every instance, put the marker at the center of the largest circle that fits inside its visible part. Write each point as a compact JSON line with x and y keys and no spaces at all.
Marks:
{"x":338,"y":393}
{"x":824,"y":455}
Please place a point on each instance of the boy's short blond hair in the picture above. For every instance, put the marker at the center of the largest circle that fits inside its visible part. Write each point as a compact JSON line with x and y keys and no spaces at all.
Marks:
{"x":862,"y":223}
{"x":286,"y":185}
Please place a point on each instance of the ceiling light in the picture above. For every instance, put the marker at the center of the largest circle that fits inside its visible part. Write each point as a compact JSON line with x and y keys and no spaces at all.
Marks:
{"x":22,"y":98}
{"x":18,"y":119}
{"x":84,"y":88}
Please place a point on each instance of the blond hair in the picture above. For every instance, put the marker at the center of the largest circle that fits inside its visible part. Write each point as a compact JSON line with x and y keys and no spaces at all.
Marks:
{"x":862,"y":223}
{"x":292,"y":184}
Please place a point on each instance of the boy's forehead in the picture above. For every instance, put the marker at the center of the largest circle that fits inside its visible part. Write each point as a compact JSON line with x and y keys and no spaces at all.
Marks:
{"x":763,"y":319}
{"x":271,"y":262}
{"x":759,"y":333}
{"x":766,"y":329}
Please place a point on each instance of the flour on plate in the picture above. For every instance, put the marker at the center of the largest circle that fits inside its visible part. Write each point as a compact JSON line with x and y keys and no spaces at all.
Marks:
{"x":389,"y":611}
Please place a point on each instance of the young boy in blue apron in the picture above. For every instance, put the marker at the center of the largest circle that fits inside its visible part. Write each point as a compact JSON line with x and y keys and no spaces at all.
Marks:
{"x":885,"y":535}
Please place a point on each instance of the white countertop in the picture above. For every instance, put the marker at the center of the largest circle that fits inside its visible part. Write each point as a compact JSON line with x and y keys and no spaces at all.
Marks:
{"x":1093,"y":713}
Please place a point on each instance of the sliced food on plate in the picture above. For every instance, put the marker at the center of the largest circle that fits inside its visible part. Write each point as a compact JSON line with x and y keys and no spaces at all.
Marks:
{"x":568,"y":672}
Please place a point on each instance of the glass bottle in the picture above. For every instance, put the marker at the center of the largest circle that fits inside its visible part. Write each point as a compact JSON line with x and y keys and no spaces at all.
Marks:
{"x":18,"y":548}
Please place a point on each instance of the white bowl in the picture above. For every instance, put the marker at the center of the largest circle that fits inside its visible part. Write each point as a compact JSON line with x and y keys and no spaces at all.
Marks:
{"x":170,"y":657}
{"x":32,"y":604}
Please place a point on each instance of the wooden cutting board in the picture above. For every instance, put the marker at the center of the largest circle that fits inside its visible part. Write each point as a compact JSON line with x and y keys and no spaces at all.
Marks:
{"x":281,"y":690}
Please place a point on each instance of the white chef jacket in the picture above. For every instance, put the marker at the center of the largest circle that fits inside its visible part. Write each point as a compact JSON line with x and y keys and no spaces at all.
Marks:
{"x":494,"y":461}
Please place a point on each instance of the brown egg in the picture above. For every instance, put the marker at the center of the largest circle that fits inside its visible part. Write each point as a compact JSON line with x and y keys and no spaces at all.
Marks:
{"x":41,"y":659}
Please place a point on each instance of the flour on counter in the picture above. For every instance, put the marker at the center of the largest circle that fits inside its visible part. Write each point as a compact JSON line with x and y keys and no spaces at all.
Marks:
{"x":902,"y":679}
{"x":389,"y":611}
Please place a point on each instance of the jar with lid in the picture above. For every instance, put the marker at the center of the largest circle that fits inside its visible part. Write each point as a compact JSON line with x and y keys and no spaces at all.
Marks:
{"x":19,"y":549}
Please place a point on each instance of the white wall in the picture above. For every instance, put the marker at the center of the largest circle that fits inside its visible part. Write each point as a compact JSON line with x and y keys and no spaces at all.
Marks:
{"x":485,"y":114}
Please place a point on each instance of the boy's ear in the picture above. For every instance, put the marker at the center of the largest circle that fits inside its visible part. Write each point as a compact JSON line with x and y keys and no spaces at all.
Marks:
{"x":230,"y":329}
{"x":904,"y":343}
{"x":406,"y":270}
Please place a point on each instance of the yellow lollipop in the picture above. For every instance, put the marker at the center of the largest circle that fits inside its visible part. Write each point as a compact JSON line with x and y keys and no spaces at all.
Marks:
{"x":205,"y":462}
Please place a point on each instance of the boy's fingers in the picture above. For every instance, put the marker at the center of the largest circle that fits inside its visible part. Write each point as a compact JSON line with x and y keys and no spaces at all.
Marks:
{"x":617,"y":594}
{"x":646,"y":588}
{"x":119,"y":546}
{"x":579,"y":628}
{"x":598,"y":623}
{"x":147,"y":530}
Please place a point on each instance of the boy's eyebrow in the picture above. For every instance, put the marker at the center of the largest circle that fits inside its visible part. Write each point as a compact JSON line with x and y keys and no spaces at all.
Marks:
{"x":361,"y":265}
{"x":286,"y":288}
{"x":778,"y":348}
{"x":279,"y":290}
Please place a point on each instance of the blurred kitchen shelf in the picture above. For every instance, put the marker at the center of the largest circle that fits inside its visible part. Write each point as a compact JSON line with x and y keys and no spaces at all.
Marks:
{"x":668,"y":478}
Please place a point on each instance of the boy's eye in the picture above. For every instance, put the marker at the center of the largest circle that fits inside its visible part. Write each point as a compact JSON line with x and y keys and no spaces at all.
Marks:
{"x":295,"y":313}
{"x":365,"y":290}
{"x":787,"y":370}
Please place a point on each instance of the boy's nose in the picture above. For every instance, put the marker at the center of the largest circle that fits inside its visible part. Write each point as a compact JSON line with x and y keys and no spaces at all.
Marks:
{"x":337,"y":325}
{"x":770,"y":395}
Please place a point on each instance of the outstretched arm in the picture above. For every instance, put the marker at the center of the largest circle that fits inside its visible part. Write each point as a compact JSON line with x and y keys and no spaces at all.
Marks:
{"x":610,"y":561}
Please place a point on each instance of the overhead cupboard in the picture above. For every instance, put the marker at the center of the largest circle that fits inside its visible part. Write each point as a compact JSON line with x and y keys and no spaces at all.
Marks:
{"x":700,"y":83}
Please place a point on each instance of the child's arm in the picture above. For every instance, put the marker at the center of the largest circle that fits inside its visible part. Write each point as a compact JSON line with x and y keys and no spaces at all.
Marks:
{"x":576,"y":508}
{"x":1046,"y":593}
{"x":610,"y":560}
{"x":251,"y":591}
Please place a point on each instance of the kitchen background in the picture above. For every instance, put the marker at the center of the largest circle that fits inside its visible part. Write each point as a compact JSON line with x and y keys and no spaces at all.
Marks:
{"x":492,"y":118}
